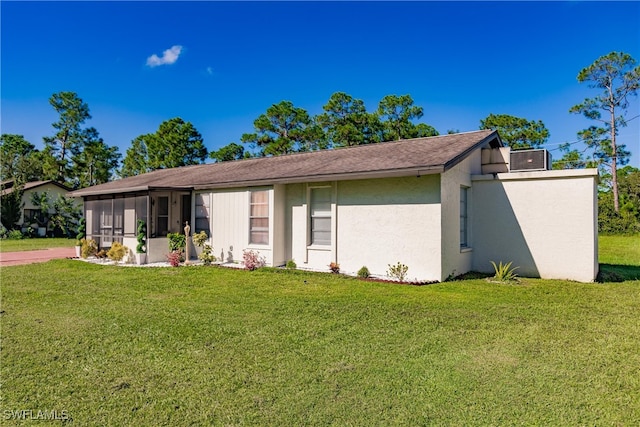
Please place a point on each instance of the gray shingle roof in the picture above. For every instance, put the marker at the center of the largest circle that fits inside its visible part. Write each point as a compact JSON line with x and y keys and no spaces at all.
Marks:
{"x":399,"y":158}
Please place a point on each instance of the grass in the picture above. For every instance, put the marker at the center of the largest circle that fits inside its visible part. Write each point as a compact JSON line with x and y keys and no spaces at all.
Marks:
{"x":619,"y":257}
{"x":36,"y":243}
{"x":211,"y":346}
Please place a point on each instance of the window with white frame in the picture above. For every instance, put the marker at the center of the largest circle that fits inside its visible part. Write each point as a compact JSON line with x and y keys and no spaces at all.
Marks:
{"x":259,"y":217}
{"x":203,"y":213}
{"x":320,"y":220}
{"x":464,"y":217}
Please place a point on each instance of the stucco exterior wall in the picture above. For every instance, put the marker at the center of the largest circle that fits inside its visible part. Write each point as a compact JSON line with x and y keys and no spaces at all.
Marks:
{"x":457,"y":260}
{"x":375,"y":222}
{"x":385,"y":221}
{"x":543,"y":222}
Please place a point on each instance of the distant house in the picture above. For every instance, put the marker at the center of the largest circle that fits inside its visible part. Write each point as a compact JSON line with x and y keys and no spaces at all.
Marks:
{"x":442,"y":205}
{"x":30,"y":211}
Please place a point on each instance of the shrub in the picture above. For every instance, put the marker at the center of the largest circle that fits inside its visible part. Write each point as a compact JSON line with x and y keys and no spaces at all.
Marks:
{"x":117,"y":251}
{"x":82,"y":227}
{"x":177,"y":241}
{"x":334,"y":267}
{"x":207,"y":256}
{"x":174,"y":258}
{"x":252,"y":260}
{"x":15,"y":235}
{"x":200,"y":239}
{"x":89,"y":248}
{"x":398,"y":271}
{"x":504,"y":272}
{"x":291,"y":265}
{"x":3,"y":232}
{"x":101,"y":254}
{"x":363,"y":273}
{"x":141,"y":248}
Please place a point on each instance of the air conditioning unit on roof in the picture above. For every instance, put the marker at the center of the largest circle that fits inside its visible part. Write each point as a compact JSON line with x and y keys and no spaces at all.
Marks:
{"x":530,"y":160}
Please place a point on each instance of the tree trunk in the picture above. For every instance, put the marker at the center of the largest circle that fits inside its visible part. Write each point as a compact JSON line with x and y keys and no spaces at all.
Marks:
{"x":614,"y":161}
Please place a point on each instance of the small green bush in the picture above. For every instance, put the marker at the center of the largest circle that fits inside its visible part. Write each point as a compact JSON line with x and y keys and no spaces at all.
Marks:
{"x":398,"y":271}
{"x":363,"y":273}
{"x":15,"y":235}
{"x":177,"y":241}
{"x":291,"y":265}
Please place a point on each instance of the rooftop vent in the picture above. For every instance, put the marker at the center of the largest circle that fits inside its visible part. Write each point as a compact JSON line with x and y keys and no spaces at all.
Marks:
{"x":530,"y":160}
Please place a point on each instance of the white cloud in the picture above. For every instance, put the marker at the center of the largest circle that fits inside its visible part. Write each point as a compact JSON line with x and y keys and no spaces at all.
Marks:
{"x":169,"y":56}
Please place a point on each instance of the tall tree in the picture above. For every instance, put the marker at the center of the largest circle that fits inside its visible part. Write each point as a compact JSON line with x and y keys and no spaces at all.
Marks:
{"x":517,"y":132}
{"x":396,"y":114}
{"x":284,"y":129}
{"x":96,"y":163}
{"x":136,"y":159}
{"x":11,"y":205}
{"x":176,"y":143}
{"x":228,"y":153}
{"x":617,"y":76}
{"x":19,"y":159}
{"x":346,"y":122}
{"x":73,"y":112}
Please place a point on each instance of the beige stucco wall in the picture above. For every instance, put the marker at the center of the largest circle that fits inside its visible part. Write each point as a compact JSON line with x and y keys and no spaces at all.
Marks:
{"x":457,"y":260}
{"x":543,"y":222}
{"x":375,"y":222}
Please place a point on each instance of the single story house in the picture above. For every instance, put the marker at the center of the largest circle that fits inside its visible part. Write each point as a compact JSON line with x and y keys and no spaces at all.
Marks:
{"x":441,"y":205}
{"x":30,"y":211}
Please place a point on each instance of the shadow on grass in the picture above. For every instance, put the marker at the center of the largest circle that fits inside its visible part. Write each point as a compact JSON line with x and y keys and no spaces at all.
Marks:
{"x":618,"y":273}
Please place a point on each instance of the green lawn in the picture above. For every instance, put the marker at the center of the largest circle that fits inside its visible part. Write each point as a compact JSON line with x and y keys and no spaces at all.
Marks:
{"x":35,"y":244}
{"x":211,"y":346}
{"x":619,"y":257}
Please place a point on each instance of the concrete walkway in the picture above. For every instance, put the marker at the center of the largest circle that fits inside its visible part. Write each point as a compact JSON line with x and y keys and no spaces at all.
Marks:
{"x":30,"y":257}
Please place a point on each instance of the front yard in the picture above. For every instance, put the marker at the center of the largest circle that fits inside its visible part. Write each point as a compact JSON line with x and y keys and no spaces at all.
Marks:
{"x":104,"y":345}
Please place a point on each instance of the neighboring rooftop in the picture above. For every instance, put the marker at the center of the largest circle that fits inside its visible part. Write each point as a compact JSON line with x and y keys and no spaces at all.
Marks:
{"x":9,"y":185}
{"x":419,"y":156}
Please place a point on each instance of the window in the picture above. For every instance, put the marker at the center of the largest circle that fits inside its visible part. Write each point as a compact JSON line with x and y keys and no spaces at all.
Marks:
{"x":162,"y":216}
{"x":259,"y":218}
{"x":321,"y":216}
{"x":202,"y":213}
{"x":464,"y":217}
{"x":32,"y":216}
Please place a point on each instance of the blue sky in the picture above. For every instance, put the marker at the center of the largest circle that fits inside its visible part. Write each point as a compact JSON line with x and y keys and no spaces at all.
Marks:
{"x":230,"y":61}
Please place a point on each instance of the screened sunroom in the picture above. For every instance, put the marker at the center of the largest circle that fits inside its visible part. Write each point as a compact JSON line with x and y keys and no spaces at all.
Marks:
{"x":114,"y":218}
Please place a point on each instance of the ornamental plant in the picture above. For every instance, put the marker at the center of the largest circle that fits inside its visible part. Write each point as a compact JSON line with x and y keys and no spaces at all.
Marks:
{"x":117,"y":251}
{"x":174,"y":258}
{"x":82,"y":228}
{"x":504,"y":272}
{"x":141,"y":248}
{"x":252,"y":260}
{"x":363,"y":273}
{"x":89,"y":247}
{"x":200,"y":239}
{"x":398,"y":271}
{"x":291,"y":265}
{"x":334,"y":267}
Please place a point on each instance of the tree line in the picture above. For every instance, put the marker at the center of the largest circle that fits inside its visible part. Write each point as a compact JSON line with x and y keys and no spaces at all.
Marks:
{"x":78,"y":157}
